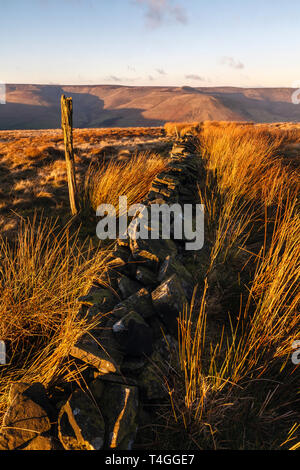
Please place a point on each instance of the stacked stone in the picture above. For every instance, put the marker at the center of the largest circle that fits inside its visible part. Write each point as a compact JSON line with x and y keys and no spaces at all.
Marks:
{"x":137,"y":329}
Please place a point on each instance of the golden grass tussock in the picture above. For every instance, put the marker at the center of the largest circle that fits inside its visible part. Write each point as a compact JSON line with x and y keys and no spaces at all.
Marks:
{"x":33,"y":168}
{"x":180,"y":128}
{"x":249,"y":361}
{"x":216,"y":376}
{"x":41,"y":277}
{"x":174,"y":129}
{"x":48,"y":267}
{"x":245,"y":161}
{"x":104,"y":183}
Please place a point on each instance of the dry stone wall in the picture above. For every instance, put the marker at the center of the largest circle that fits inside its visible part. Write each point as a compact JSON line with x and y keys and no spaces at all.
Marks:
{"x":137,"y":329}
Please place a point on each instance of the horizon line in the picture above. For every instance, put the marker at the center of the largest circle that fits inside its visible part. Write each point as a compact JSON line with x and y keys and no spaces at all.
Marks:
{"x":147,"y":86}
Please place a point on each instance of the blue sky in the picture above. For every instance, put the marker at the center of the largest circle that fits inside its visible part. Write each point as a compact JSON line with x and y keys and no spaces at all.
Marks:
{"x":150,"y":42}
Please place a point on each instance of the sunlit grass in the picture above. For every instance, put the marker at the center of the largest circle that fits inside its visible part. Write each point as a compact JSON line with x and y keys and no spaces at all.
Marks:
{"x":104,"y":183}
{"x":227,"y":384}
{"x":41,"y":277}
{"x":248,"y":359}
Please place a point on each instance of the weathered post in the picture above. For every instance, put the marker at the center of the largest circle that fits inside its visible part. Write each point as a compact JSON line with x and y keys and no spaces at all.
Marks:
{"x":67,"y":127}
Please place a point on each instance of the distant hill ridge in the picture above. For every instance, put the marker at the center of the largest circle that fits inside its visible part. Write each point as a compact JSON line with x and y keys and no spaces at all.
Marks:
{"x":38,"y":106}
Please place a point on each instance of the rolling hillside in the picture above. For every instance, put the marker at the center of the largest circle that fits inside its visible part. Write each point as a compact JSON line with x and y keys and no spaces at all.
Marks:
{"x":37,"y":106}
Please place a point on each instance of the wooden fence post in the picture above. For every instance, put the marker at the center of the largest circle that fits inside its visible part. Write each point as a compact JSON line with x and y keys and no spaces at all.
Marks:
{"x":67,"y":127}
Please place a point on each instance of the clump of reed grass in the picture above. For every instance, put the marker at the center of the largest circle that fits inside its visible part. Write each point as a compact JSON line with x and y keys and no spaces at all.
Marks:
{"x":42,"y":274}
{"x":237,"y":388}
{"x":104,"y":183}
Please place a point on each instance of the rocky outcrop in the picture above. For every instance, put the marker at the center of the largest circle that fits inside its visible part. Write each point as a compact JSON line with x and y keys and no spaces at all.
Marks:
{"x":130,"y":347}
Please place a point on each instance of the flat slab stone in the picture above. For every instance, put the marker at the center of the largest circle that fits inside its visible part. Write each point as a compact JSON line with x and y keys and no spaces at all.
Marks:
{"x":80,"y":424}
{"x":24,"y":420}
{"x":169,"y":300}
{"x":103,"y":298}
{"x":140,"y":302}
{"x":104,"y":353}
{"x":119,"y":405}
{"x":134,"y":335}
{"x":172,"y":266}
{"x":43,"y":443}
{"x":152,"y":251}
{"x":127,"y":286}
{"x":146,"y":276}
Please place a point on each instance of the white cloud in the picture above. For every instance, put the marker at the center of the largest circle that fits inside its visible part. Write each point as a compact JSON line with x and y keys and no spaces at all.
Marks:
{"x":157,"y":11}
{"x":114,"y":78}
{"x":193,"y":76}
{"x":233,"y":63}
{"x":120,"y":79}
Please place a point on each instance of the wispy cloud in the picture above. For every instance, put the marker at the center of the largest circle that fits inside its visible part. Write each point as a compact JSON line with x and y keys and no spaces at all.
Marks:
{"x":118,"y":79}
{"x":233,"y":63}
{"x":157,"y":11}
{"x":161,"y":71}
{"x":193,"y":76}
{"x":114,"y":78}
{"x":179,"y":13}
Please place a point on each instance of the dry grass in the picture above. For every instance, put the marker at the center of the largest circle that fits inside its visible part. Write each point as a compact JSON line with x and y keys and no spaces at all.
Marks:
{"x":41,"y":277}
{"x":237,"y":387}
{"x":290,"y":130}
{"x":245,"y":161}
{"x":33,"y":169}
{"x":47,"y":267}
{"x":105,"y":183}
{"x":176,"y":129}
{"x":97,"y":135}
